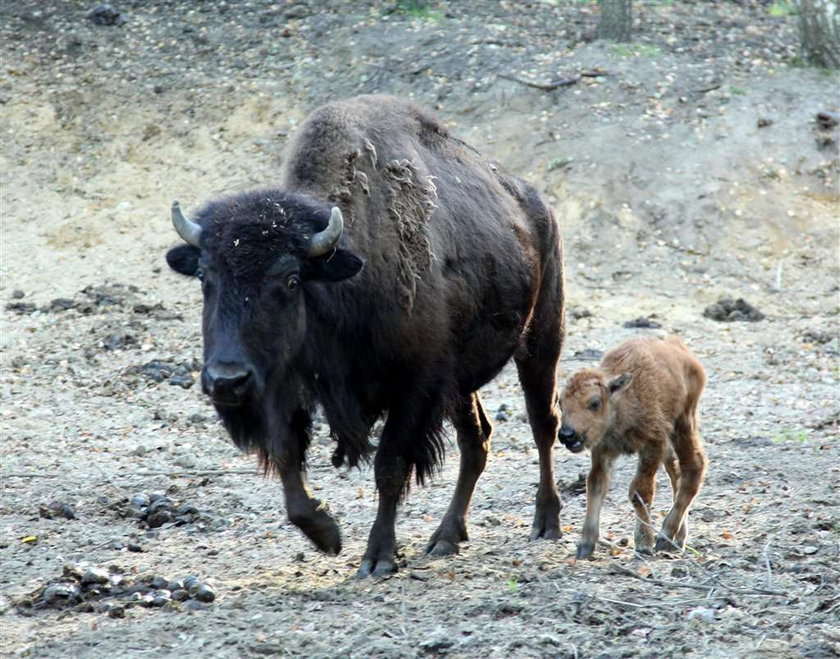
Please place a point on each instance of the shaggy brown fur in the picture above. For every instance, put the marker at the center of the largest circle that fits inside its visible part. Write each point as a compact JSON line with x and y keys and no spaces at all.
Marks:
{"x":446,"y":268}
{"x":642,"y":399}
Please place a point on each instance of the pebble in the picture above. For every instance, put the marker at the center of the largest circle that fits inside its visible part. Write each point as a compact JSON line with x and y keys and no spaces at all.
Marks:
{"x":105,"y":14}
{"x":809,"y":550}
{"x":96,"y":575}
{"x":702,"y":613}
{"x":57,"y":509}
{"x":204,"y":593}
{"x":642,"y":323}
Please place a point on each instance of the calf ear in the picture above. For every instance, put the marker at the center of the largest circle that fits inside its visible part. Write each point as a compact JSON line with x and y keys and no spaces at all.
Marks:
{"x":183,"y":259}
{"x":619,"y":383}
{"x":334,"y":266}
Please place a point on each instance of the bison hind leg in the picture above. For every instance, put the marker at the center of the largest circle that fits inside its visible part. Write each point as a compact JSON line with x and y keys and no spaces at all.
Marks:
{"x":474,"y":431}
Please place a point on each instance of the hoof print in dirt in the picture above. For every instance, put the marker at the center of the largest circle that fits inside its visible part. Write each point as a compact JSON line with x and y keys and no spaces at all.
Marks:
{"x":155,"y":510}
{"x":112,"y":592}
{"x":728,"y":310}
{"x":642,"y":322}
{"x":57,"y":510}
{"x":180,"y":375}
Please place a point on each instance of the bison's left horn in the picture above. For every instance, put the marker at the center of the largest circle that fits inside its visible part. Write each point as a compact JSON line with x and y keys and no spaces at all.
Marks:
{"x":189,"y":231}
{"x":323,"y":241}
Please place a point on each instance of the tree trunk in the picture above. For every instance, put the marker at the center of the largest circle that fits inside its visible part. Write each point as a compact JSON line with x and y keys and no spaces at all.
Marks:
{"x":819,"y":32}
{"x":616,"y":19}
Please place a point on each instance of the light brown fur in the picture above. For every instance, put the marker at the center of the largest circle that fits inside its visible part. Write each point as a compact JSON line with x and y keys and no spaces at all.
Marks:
{"x":641,"y":400}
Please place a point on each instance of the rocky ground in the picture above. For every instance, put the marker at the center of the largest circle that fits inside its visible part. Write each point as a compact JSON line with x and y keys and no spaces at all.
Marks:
{"x":687,"y":166}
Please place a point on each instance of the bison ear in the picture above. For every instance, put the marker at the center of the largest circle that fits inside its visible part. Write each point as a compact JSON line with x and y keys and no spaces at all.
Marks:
{"x":183,"y":259}
{"x":334,"y":266}
{"x":619,"y":383}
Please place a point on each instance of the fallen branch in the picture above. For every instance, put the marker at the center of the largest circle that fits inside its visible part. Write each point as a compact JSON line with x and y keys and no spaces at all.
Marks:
{"x":173,"y":474}
{"x":555,"y":84}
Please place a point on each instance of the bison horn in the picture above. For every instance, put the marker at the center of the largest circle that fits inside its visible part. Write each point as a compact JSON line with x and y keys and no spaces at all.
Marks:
{"x":323,"y":241}
{"x":189,"y":231}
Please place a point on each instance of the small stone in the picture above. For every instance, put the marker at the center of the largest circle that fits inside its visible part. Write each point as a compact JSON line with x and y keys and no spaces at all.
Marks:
{"x":191,"y":582}
{"x":643,"y":323}
{"x":116,"y":612}
{"x":763,"y":122}
{"x":105,"y":14}
{"x":18,"y":294}
{"x":502,"y":416}
{"x":809,"y":550}
{"x":158,"y":519}
{"x":159,"y":582}
{"x":96,"y":575}
{"x":140,"y":500}
{"x":708,"y":515}
{"x":59,"y":593}
{"x":56,"y":510}
{"x":180,"y":595}
{"x":702,"y":613}
{"x":204,"y":593}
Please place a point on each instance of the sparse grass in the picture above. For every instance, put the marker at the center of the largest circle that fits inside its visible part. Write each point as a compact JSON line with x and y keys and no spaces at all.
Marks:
{"x":636,"y":50}
{"x":513,"y":584}
{"x":419,"y":9}
{"x":800,"y":436}
{"x":782,"y":8}
{"x":739,"y":91}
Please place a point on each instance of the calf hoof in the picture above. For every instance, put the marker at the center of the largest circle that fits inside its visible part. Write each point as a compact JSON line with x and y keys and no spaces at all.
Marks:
{"x":585,"y":550}
{"x":644,"y":550}
{"x":320,"y":527}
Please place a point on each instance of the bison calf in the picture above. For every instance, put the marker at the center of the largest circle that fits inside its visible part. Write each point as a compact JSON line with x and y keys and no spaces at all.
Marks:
{"x":642,"y":399}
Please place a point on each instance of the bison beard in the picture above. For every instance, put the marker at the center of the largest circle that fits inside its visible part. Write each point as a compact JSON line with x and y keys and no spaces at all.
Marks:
{"x":462,"y":271}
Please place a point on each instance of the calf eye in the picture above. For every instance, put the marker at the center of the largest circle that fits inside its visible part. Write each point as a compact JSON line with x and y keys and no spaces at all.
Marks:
{"x":595,"y":404}
{"x":200,"y":274}
{"x":293,"y":282}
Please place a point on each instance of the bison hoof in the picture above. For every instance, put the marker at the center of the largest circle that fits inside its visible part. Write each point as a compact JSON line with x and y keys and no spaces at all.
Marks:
{"x":546,"y":523}
{"x":447,"y":538}
{"x":321,"y":529}
{"x":372,"y":567}
{"x":441,"y":547}
{"x":585,"y":550}
{"x":665,"y":544}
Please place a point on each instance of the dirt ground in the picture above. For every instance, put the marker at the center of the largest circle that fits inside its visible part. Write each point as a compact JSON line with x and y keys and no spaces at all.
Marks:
{"x":685,"y":167}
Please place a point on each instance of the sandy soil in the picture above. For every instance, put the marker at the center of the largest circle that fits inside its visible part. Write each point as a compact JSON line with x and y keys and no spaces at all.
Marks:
{"x":686,"y":167}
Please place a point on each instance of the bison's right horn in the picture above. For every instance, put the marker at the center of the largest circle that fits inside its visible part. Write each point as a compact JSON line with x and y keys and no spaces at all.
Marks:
{"x":323,"y":241}
{"x":189,"y":231}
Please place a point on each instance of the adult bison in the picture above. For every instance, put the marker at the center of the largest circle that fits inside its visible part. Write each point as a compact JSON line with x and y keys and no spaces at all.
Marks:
{"x":394,"y":270}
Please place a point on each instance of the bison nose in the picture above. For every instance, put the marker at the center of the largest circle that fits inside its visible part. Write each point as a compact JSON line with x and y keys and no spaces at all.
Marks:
{"x":566,"y":433}
{"x":225,"y":383}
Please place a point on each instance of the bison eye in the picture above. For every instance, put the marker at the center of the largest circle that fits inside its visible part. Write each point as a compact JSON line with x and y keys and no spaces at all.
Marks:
{"x":595,"y":404}
{"x":293,"y":282}
{"x":200,"y":274}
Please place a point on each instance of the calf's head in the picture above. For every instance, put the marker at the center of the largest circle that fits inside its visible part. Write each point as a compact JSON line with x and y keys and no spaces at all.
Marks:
{"x":257,"y":256}
{"x":587,"y":406}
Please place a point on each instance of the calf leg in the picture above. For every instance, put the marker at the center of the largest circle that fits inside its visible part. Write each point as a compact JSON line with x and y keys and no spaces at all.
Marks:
{"x":597,"y":484}
{"x":693,"y":463}
{"x":642,"y":489}
{"x":473,"y":430}
{"x":672,"y":467}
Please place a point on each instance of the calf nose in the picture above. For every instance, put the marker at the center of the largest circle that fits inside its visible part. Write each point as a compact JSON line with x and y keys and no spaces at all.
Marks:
{"x":566,"y":433}
{"x":226,"y":383}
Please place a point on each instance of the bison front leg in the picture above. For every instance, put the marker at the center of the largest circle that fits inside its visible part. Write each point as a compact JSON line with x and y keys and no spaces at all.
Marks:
{"x":474,"y":431}
{"x":641,"y":493}
{"x":304,"y":511}
{"x":392,"y":472}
